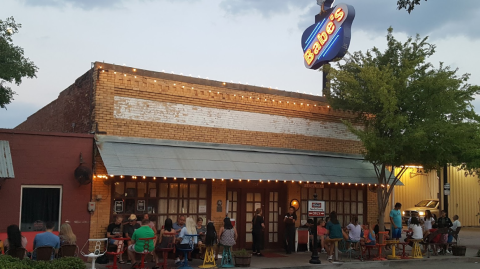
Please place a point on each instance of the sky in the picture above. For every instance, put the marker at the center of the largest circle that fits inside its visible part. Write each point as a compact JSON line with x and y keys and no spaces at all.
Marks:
{"x":244,"y":41}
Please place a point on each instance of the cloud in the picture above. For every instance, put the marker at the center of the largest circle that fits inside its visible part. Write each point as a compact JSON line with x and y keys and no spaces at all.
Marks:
{"x":16,"y":113}
{"x":87,"y":4}
{"x":436,"y":18}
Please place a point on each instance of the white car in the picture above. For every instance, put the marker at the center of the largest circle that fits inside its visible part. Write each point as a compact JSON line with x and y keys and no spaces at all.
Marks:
{"x":420,"y":208}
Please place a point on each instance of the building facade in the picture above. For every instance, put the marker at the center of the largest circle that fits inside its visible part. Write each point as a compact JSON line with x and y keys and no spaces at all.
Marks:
{"x":169,"y":145}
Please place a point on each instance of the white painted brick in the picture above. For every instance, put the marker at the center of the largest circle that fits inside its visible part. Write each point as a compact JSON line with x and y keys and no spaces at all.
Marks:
{"x":163,"y":112}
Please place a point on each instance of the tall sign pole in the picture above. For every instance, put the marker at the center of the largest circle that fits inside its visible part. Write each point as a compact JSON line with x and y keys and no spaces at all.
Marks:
{"x":314,"y":259}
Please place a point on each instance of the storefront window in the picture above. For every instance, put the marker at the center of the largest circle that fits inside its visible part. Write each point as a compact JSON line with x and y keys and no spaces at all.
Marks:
{"x":346,"y":201}
{"x":40,"y":204}
{"x":161,"y":200}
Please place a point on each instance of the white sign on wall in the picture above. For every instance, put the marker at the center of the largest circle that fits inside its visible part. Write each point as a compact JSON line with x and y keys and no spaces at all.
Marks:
{"x":316,"y":208}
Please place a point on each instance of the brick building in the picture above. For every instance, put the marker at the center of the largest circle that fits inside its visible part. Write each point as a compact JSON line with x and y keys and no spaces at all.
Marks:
{"x":170,"y":144}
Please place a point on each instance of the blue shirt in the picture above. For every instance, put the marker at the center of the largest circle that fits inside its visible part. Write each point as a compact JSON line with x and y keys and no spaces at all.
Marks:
{"x":396,"y":215}
{"x":185,"y":237}
{"x":46,"y":239}
{"x":335,"y":230}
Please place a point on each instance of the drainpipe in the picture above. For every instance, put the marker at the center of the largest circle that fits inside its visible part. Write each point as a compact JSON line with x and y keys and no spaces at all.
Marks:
{"x":445,"y":180}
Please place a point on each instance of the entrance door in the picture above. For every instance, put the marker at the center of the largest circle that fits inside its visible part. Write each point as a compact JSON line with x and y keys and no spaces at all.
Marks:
{"x":273,"y":222}
{"x":253,"y":200}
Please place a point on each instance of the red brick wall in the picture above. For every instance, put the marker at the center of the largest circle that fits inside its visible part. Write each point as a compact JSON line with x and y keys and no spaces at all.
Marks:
{"x":48,"y":159}
{"x":71,"y":112}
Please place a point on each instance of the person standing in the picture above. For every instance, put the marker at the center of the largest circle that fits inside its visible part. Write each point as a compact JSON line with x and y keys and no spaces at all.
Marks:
{"x":396,"y":221}
{"x":258,"y":224}
{"x":289,"y":221}
{"x":428,"y":221}
{"x":444,"y":222}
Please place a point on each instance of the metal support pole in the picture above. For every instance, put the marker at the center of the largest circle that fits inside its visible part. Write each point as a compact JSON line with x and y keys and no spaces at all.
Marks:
{"x":314,"y":259}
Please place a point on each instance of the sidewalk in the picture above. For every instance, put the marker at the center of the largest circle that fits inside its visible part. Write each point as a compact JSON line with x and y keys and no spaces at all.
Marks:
{"x":469,"y":237}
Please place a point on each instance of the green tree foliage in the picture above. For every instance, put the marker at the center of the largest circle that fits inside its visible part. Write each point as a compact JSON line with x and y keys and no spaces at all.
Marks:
{"x":13,"y":65}
{"x":409,"y":5}
{"x":410,"y":112}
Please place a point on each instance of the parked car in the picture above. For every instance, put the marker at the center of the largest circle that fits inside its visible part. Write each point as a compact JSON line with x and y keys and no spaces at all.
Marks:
{"x":420,"y":208}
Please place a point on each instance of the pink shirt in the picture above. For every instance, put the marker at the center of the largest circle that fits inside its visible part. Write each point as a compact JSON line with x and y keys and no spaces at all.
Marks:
{"x":321,"y":230}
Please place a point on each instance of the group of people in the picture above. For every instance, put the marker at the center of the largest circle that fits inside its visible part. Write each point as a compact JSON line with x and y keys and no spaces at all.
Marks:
{"x":421,"y":228}
{"x":15,"y":239}
{"x":185,"y":233}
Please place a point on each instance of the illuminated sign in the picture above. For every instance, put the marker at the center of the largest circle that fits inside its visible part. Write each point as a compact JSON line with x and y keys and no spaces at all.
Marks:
{"x":329,"y":38}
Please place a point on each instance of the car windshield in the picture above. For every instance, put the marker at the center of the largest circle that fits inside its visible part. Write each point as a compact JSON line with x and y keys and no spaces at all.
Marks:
{"x":427,"y":203}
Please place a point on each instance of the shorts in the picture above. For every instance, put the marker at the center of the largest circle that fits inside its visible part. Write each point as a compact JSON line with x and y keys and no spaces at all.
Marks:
{"x":371,"y":243}
{"x":396,"y":233}
{"x":132,"y":247}
{"x":450,"y":238}
{"x":112,"y":241}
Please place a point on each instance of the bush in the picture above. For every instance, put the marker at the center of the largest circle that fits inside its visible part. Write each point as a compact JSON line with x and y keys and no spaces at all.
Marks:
{"x":8,"y":262}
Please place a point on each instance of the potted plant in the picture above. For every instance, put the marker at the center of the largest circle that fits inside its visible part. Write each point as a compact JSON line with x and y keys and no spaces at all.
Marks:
{"x":242,"y":258}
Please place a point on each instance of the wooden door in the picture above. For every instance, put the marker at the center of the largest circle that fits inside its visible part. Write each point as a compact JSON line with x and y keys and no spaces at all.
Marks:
{"x":253,"y":200}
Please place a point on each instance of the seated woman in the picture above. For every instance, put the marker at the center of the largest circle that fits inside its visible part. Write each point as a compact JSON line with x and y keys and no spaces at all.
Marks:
{"x":322,"y":234}
{"x":415,"y":231}
{"x":183,"y":239}
{"x":164,"y":239}
{"x":67,"y":237}
{"x":211,"y":236}
{"x":334,"y":231}
{"x":228,"y":234}
{"x":14,"y":240}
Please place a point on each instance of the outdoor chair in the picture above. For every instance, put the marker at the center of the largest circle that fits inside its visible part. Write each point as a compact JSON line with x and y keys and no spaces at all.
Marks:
{"x":344,"y":247}
{"x":68,"y":251}
{"x":147,"y":243}
{"x":170,"y":247}
{"x":191,"y":247}
{"x":118,"y":251}
{"x":45,"y":253}
{"x":17,"y":253}
{"x":97,"y":251}
{"x":303,"y":238}
{"x":434,"y":245}
{"x":454,"y":234}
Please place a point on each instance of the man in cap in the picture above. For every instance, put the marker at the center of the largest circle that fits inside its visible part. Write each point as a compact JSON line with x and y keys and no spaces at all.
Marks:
{"x":129,"y":229}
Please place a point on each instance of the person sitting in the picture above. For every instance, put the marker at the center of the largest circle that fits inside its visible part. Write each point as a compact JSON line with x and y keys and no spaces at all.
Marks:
{"x":152,"y":224}
{"x":415,"y":231}
{"x":456,"y":223}
{"x":139,"y":245}
{"x":183,"y":239}
{"x":177,"y":226}
{"x":163,"y":238}
{"x":354,"y":230}
{"x":334,"y":231}
{"x":129,"y":229}
{"x":201,"y":229}
{"x":46,"y":239}
{"x":227,"y":235}
{"x":14,"y":240}
{"x":368,"y":238}
{"x":211,"y":236}
{"x":322,"y":234}
{"x":66,"y":235}
{"x":114,"y":230}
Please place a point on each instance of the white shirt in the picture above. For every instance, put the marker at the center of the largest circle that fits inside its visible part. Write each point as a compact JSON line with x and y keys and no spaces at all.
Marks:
{"x":354,"y":232}
{"x":428,"y":224}
{"x":185,"y":237}
{"x":417,"y":231}
{"x":456,"y":224}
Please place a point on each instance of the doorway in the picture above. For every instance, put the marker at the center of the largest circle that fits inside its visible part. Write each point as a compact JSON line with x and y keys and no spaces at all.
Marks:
{"x":242,"y":205}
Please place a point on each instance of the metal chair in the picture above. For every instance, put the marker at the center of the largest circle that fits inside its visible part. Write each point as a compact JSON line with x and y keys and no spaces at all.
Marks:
{"x":68,"y":251}
{"x":97,"y":252}
{"x":191,"y":247}
{"x":454,"y":234}
{"x":17,"y":253}
{"x":118,"y":252}
{"x":227,"y":260}
{"x":147,"y":243}
{"x":170,"y":246}
{"x":345,"y":249}
{"x":44,"y":253}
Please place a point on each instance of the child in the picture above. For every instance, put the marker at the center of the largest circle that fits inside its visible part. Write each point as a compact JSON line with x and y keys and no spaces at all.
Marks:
{"x":368,"y":238}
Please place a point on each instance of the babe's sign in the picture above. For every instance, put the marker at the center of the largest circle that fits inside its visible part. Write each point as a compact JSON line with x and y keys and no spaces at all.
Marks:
{"x":329,"y":38}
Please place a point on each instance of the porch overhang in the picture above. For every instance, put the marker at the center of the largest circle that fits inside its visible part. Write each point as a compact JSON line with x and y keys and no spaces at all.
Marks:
{"x":182,"y":159}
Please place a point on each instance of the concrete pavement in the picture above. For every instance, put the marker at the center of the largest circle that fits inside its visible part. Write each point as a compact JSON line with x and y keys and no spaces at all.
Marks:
{"x":469,"y":237}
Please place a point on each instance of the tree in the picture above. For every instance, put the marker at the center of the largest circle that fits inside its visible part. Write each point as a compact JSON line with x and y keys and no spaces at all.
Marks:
{"x":13,"y":65}
{"x":409,"y":5}
{"x":410,"y":112}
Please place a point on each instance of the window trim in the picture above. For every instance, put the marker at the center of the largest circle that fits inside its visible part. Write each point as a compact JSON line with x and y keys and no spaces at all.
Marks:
{"x":41,"y":187}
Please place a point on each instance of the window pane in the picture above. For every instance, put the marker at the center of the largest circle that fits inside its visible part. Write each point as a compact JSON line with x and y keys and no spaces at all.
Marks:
{"x":183,"y":190}
{"x":129,"y":206}
{"x":333,"y":194}
{"x":248,"y":237}
{"x":249,"y":207}
{"x":339,"y":207}
{"x":360,"y":196}
{"x":229,"y":195}
{"x":131,"y":189}
{"x":249,"y":197}
{"x":271,"y":196}
{"x":258,"y":197}
{"x":193,"y":190}
{"x":270,"y":226}
{"x":234,"y":206}
{"x":270,"y":237}
{"x":354,"y":208}
{"x":276,"y":196}
{"x":183,"y":206}
{"x":39,"y":204}
{"x":275,"y":217}
{"x":173,"y":206}
{"x":163,"y":190}
{"x":152,"y":206}
{"x":119,"y":189}
{"x":192,"y":206}
{"x":360,"y":208}
{"x":347,"y":195}
{"x":161,"y":222}
{"x":339,"y":194}
{"x":326,"y":195}
{"x":270,"y":217}
{"x":346,"y":208}
{"x":203,"y":191}
{"x":249,"y":218}
{"x":327,"y":207}
{"x":162,"y":206}
{"x":152,"y":189}
{"x":354,"y":195}
{"x":275,"y":227}
{"x":141,"y":189}
{"x":360,"y":220}
{"x":173,"y":189}
{"x":275,"y":237}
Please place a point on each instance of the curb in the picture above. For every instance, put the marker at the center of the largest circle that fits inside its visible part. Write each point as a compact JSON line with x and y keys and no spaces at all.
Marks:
{"x":376,"y":264}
